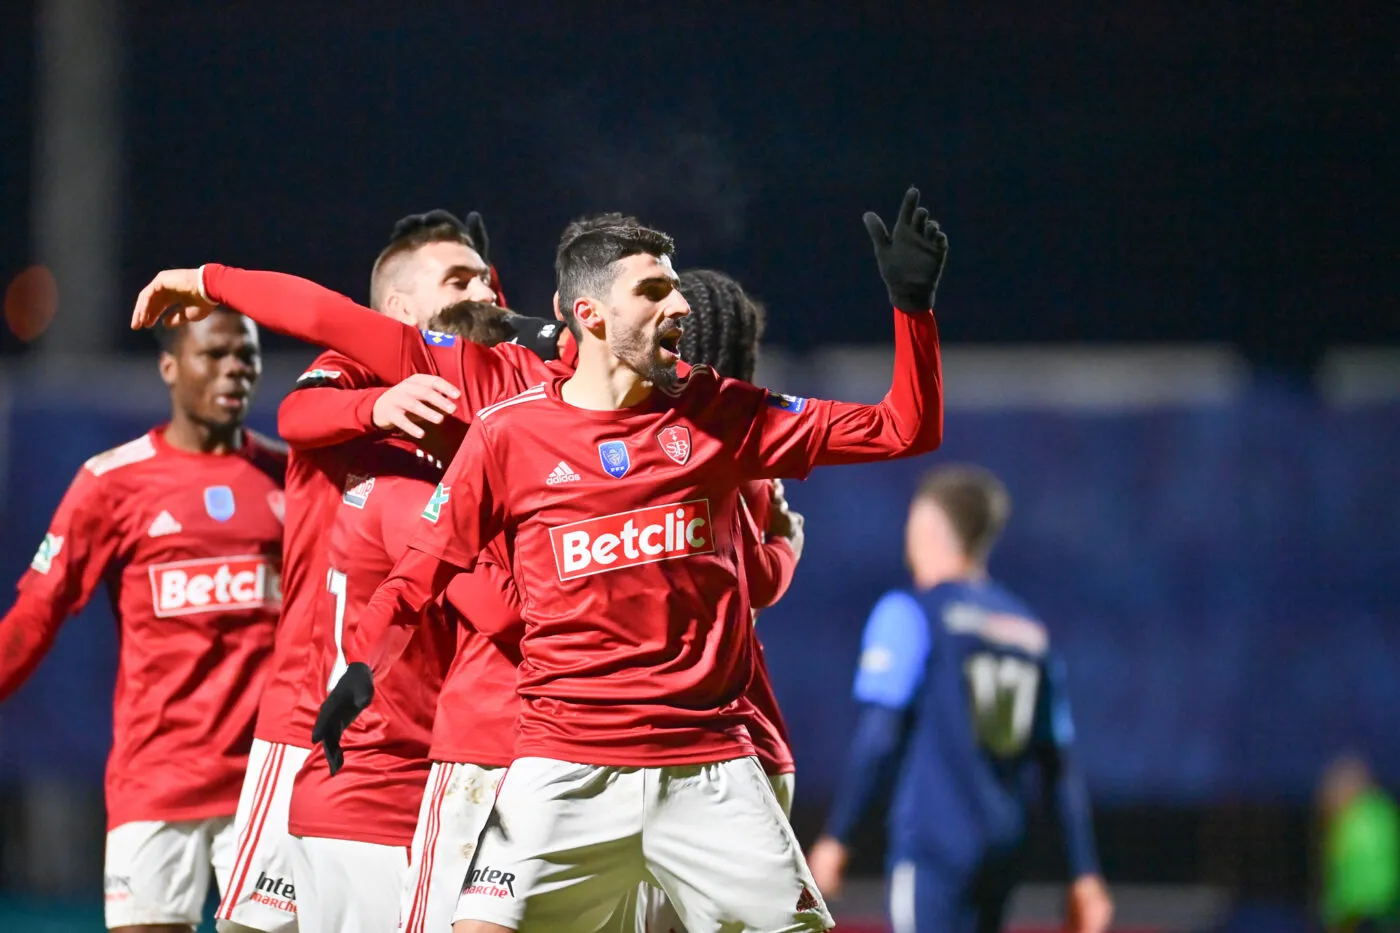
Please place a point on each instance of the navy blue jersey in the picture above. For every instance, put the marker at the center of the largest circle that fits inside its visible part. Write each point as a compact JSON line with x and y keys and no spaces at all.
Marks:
{"x":964,"y":706}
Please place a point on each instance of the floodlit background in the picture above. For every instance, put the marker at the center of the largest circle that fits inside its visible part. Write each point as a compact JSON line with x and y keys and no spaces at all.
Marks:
{"x":1170,"y":319}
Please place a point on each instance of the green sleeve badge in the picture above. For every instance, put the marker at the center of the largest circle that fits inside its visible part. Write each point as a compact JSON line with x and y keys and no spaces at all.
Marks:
{"x":435,"y":504}
{"x":48,"y":550}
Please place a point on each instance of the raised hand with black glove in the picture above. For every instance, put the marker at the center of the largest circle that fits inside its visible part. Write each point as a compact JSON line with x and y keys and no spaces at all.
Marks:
{"x":911,"y":256}
{"x":347,"y":699}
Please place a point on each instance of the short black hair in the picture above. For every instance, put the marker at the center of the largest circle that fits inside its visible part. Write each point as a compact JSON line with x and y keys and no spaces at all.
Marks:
{"x":169,"y":338}
{"x":409,"y":234}
{"x":477,"y":321}
{"x":724,"y":325}
{"x":589,"y":247}
{"x":975,"y":501}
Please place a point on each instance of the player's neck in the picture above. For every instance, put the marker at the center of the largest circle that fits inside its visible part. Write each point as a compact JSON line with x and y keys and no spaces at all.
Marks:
{"x":958,"y":571}
{"x":185,"y":433}
{"x":603,"y":383}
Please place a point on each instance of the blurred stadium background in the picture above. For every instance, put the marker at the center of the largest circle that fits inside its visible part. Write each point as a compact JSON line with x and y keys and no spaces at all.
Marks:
{"x":1170,"y":318}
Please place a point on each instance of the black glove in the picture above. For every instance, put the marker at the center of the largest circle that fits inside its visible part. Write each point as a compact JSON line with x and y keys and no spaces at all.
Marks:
{"x":347,"y":699}
{"x":911,"y":258}
{"x":536,"y":334}
{"x":476,"y":229}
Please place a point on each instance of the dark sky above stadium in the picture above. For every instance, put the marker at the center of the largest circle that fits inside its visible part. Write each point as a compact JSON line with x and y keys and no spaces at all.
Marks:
{"x":1138,"y":172}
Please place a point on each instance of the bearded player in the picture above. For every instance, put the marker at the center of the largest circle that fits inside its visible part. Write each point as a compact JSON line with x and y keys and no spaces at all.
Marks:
{"x":184,"y":526}
{"x":430,"y":261}
{"x":637,"y":650}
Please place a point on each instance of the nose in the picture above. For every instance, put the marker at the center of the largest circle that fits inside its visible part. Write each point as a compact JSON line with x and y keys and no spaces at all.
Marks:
{"x":237,"y":366}
{"x":480,"y":290}
{"x":678,"y":307}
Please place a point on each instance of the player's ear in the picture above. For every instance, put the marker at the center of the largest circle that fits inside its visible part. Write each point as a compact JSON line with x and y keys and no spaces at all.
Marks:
{"x":167,"y":364}
{"x":397,"y":309}
{"x":589,"y":313}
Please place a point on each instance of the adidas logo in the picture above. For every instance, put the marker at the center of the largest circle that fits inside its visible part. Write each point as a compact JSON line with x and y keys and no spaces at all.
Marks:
{"x":563,"y":473}
{"x":165,"y":524}
{"x":807,"y":901}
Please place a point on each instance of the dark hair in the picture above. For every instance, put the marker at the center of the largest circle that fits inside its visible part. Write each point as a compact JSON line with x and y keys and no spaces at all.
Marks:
{"x":724,"y":325}
{"x":409,"y":234}
{"x":589,"y":247}
{"x":169,"y":338}
{"x":975,"y":501}
{"x":478,"y":321}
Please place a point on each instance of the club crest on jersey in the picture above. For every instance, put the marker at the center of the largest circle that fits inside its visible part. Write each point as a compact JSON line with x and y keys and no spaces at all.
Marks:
{"x":277,"y":502}
{"x":358,"y":486}
{"x":434,"y":507}
{"x":218,"y":502}
{"x":48,"y":550}
{"x":675,"y":442}
{"x":438,"y":339}
{"x":788,"y":403}
{"x":615,"y":459}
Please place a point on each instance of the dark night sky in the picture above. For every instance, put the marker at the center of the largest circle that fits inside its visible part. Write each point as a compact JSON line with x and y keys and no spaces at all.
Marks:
{"x":1135,"y":172}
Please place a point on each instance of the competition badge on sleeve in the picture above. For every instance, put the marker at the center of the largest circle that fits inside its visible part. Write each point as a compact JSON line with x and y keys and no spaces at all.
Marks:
{"x":675,"y":442}
{"x":615,"y":458}
{"x":788,"y":403}
{"x":434,"y":507}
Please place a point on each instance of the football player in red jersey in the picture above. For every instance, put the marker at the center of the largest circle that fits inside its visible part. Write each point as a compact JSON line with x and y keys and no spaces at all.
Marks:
{"x":638,"y":645}
{"x":184,"y":525}
{"x":723,"y":330}
{"x":430,"y":261}
{"x":353,"y":817}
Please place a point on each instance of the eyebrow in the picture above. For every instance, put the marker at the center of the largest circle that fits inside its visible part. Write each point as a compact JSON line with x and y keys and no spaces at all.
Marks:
{"x":464,"y":269}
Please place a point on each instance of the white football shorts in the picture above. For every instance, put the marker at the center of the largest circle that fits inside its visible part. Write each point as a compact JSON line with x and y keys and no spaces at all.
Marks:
{"x":345,"y":886}
{"x":261,"y":894}
{"x":568,"y":843}
{"x":158,"y":873}
{"x":654,"y":912}
{"x":456,"y":803}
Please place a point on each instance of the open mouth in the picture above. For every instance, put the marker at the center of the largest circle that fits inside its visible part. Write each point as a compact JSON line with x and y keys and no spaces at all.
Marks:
{"x":670,"y":343}
{"x":232,"y":401}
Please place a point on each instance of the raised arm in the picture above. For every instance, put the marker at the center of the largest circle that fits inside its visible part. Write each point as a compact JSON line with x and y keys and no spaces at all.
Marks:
{"x":788,"y":436}
{"x":292,"y":306}
{"x":60,"y":580}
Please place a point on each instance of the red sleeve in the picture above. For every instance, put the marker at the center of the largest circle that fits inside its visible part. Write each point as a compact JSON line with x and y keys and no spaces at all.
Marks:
{"x":300,"y":308}
{"x":789,"y":436}
{"x":486,"y":598}
{"x":62,"y":577}
{"x":768,"y":565}
{"x":324,"y":416}
{"x":331,"y":403}
{"x":462,"y":515}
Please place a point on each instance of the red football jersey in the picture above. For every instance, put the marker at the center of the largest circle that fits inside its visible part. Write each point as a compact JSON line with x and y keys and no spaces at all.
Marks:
{"x":625,"y":536}
{"x":375,"y":797}
{"x":189,"y":546}
{"x":767,"y":727}
{"x":315,"y":478}
{"x":478,"y":708}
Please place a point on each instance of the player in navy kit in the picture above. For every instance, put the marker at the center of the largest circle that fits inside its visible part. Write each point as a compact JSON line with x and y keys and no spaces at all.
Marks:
{"x":962,"y":703}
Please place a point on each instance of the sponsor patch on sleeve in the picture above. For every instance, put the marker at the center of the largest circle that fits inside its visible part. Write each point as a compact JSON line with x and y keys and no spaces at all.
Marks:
{"x":788,"y":403}
{"x":48,"y":550}
{"x":318,"y":376}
